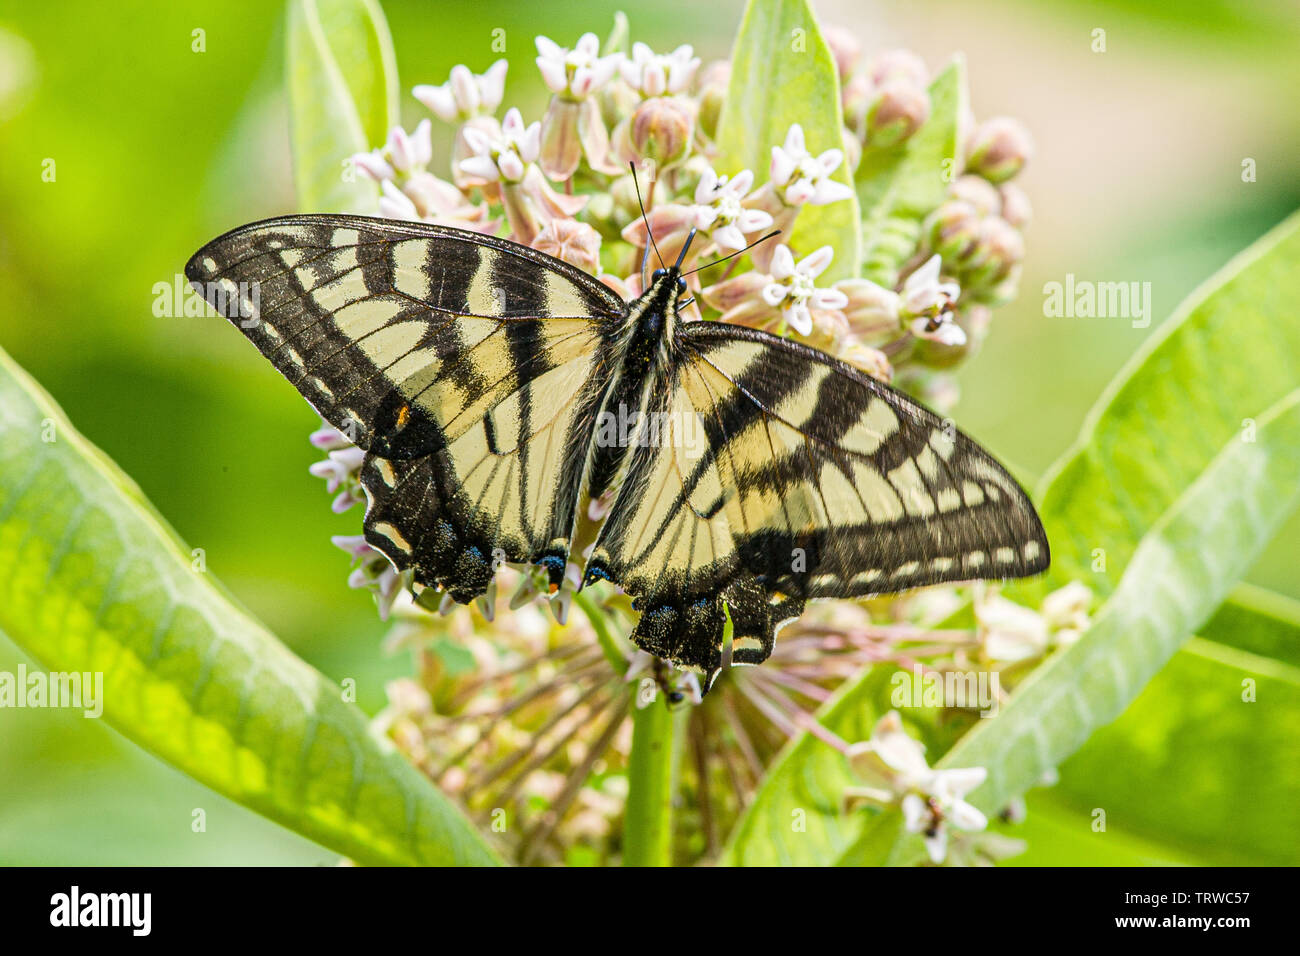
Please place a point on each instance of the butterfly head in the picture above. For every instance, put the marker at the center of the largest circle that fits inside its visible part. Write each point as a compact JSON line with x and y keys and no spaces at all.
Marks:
{"x":667,"y":285}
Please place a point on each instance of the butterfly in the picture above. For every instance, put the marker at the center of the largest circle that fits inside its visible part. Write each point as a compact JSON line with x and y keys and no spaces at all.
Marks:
{"x":498,"y":391}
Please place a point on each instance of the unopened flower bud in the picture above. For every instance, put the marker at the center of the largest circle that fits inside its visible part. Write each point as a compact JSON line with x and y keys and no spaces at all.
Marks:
{"x":898,"y":110}
{"x":872,"y":361}
{"x":1000,"y":249}
{"x":712,"y":91}
{"x":855,"y":97}
{"x":561,"y":149}
{"x":661,"y":129}
{"x":739,"y":298}
{"x":977,"y":191}
{"x":845,"y":48}
{"x":1015,"y":205}
{"x":999,"y":149}
{"x":898,"y":65}
{"x":575,"y":242}
{"x":953,"y":229}
{"x":872,"y":310}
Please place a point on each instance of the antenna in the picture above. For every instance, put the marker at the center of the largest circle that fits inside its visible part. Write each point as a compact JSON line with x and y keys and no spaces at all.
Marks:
{"x":739,"y":252}
{"x":681,"y":257}
{"x":649,"y":235}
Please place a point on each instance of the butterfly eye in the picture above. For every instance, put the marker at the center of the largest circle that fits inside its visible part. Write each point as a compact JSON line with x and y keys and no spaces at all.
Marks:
{"x":658,"y":274}
{"x":681,"y":285}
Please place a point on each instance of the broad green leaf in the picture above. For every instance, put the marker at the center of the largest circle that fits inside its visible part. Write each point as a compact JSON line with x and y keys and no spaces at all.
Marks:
{"x":1062,"y":835}
{"x":1205,"y":739}
{"x":1178,"y":574}
{"x":1230,"y":351}
{"x":782,"y":73}
{"x":797,"y":817}
{"x":93,"y":580}
{"x":1258,"y":621}
{"x":341,"y":74}
{"x":899,"y":186}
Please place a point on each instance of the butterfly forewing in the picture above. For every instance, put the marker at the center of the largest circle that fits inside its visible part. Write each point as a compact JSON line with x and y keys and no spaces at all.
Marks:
{"x":469,"y":367}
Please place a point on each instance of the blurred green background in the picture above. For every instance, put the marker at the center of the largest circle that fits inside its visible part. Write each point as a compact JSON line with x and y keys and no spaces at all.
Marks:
{"x":157,"y":149}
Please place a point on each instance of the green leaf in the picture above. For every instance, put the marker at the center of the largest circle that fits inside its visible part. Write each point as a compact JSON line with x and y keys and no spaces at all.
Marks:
{"x":341,"y":74}
{"x":93,"y":580}
{"x":1258,"y":621}
{"x":1231,"y":350}
{"x":1196,"y":749}
{"x":1063,"y":835}
{"x":900,"y":185}
{"x":1178,"y":574}
{"x":782,"y":73}
{"x":797,"y":817}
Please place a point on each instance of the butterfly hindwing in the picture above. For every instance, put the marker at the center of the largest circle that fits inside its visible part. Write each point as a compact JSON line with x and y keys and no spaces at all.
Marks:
{"x":811,"y":480}
{"x":467,"y":366}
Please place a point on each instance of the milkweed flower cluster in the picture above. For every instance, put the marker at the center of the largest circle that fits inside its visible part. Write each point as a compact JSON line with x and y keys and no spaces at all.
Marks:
{"x":561,"y":183}
{"x":515,"y":712}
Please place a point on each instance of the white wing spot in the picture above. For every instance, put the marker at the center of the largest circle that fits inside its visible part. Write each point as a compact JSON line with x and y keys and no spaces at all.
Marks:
{"x":948,"y":499}
{"x":392,"y":534}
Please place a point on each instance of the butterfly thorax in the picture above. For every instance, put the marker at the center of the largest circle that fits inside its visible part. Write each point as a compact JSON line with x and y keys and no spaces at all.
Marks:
{"x":643,"y":357}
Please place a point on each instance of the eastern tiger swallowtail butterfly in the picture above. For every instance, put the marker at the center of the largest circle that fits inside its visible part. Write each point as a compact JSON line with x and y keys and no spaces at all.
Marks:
{"x":491,"y":387}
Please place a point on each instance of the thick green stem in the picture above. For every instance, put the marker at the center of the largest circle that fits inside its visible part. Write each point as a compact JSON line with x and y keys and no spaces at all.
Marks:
{"x":648,"y":824}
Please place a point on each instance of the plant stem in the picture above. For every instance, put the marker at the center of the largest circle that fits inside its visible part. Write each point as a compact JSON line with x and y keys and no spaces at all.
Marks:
{"x":648,"y":822}
{"x":608,"y":642}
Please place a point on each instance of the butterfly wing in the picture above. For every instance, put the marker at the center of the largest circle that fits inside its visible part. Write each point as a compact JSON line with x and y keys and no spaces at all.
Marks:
{"x":781,"y":475}
{"x":467,"y":366}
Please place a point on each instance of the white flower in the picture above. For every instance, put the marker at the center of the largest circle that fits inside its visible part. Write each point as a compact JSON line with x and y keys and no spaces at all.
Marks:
{"x":505,"y":157}
{"x":942,"y":330}
{"x":339,"y":470}
{"x":395,"y":204}
{"x":893,"y":765}
{"x":793,"y":287}
{"x":401,"y":155}
{"x":1066,"y":609}
{"x":652,"y":74}
{"x":923,"y":292}
{"x":578,"y":72}
{"x":1009,"y":631}
{"x":929,"y":814}
{"x":799,"y":177}
{"x":718,"y":210}
{"x":891,"y":762}
{"x":465,"y":95}
{"x":927,"y":303}
{"x":373,"y":571}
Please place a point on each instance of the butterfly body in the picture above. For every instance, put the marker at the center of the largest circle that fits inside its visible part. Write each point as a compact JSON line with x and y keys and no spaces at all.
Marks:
{"x":496,"y":390}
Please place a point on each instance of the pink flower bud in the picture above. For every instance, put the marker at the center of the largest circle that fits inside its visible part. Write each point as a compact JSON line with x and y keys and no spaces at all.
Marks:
{"x":575,"y":242}
{"x":897,"y":111}
{"x":999,"y":149}
{"x":661,"y":129}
